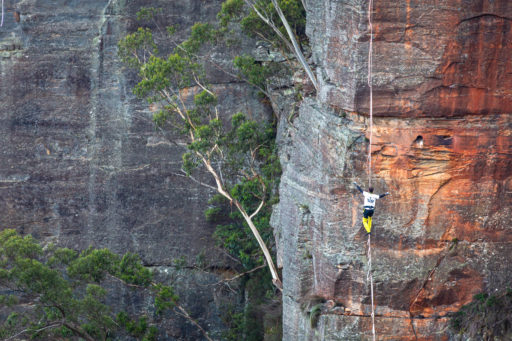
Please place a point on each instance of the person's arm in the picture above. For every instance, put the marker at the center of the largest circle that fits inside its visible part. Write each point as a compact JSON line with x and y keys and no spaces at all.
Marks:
{"x":359,"y":188}
{"x":383,"y":195}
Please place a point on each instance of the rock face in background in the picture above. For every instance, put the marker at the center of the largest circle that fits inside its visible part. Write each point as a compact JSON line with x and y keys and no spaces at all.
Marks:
{"x":81,"y":163}
{"x":442,"y":145}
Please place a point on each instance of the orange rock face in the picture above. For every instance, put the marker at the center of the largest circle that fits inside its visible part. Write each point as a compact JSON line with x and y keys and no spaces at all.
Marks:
{"x":448,"y":60}
{"x":441,"y":145}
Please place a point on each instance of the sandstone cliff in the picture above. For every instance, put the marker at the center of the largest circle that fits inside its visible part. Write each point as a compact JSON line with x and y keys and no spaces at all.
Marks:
{"x":82,"y":165}
{"x":441,"y":145}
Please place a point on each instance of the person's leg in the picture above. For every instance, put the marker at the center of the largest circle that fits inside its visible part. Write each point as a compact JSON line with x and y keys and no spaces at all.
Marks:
{"x":367,"y":226}
{"x":370,"y":215}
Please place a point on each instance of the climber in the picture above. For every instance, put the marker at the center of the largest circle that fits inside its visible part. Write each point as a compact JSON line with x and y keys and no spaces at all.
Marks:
{"x":369,"y":206}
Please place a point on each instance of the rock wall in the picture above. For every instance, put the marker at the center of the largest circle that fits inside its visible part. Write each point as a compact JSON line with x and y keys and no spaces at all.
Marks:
{"x":81,"y":163}
{"x":442,"y":147}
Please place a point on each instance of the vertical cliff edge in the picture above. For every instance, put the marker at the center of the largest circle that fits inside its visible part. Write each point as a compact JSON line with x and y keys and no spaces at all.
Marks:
{"x":81,"y":163}
{"x":442,"y":147}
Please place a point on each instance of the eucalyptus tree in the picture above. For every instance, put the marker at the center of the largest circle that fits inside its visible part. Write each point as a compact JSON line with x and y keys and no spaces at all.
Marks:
{"x":57,"y":293}
{"x":280,"y":22}
{"x":238,"y":153}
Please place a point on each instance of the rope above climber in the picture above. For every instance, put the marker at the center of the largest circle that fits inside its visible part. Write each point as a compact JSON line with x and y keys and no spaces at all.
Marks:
{"x":369,"y":206}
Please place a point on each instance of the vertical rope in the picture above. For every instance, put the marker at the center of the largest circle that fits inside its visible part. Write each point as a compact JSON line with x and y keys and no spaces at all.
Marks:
{"x":370,"y":67}
{"x":369,"y":276}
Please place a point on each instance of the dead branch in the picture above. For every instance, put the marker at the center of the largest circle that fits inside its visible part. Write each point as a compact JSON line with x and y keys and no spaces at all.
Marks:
{"x":35,"y":331}
{"x":186,"y":315}
{"x":240,"y":275}
{"x":296,"y":47}
{"x":184,"y":175}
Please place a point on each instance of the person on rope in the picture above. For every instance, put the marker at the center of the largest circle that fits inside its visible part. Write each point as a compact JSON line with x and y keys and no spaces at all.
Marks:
{"x":369,"y":206}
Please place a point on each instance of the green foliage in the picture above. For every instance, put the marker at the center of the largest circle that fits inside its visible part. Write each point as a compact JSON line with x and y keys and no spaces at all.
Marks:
{"x":455,"y":241}
{"x":239,"y":152}
{"x":201,"y":260}
{"x":213,"y":214}
{"x":236,"y":236}
{"x":159,"y":74}
{"x":189,"y":163}
{"x":257,"y":320}
{"x":165,"y":298}
{"x":93,"y":264}
{"x":65,"y":290}
{"x":132,"y":271}
{"x":63,"y":256}
{"x":231,"y":10}
{"x":136,"y":48}
{"x":481,"y":297}
{"x":487,"y":317}
{"x":258,"y":139}
{"x":200,"y":34}
{"x":8,"y":300}
{"x":148,"y":13}
{"x":137,"y":328}
{"x":180,"y":262}
{"x":251,"y":23}
{"x":14,"y":247}
{"x":314,"y":315}
{"x":255,"y":73}
{"x":234,"y":320}
{"x":171,"y":30}
{"x":151,"y":334}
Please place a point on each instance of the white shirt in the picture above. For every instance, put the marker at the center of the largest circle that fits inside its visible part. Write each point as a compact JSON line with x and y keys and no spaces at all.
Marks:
{"x":370,"y":199}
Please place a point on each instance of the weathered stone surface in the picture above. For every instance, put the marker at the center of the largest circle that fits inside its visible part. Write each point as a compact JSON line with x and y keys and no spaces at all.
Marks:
{"x":81,"y":163}
{"x":442,"y":146}
{"x":430,"y":59}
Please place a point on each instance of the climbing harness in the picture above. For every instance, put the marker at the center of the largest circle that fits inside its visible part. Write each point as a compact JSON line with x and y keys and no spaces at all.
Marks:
{"x":369,"y":276}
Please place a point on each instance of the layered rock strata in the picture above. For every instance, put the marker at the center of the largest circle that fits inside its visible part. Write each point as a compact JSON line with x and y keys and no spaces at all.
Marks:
{"x":442,"y":147}
{"x":81,"y":162}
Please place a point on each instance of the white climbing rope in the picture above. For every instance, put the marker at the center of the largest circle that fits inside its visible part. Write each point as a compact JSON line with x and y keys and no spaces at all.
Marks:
{"x":370,"y":63}
{"x":369,"y":276}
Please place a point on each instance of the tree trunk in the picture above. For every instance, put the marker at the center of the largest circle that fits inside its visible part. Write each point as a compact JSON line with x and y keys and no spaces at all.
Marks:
{"x":268,"y":257}
{"x":297,"y":50}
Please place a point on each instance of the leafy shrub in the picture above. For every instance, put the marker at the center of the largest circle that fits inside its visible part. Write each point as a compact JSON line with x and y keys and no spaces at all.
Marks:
{"x":487,"y":317}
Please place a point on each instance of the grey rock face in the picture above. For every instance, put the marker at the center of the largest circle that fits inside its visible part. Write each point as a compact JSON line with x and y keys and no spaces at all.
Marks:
{"x":81,"y":163}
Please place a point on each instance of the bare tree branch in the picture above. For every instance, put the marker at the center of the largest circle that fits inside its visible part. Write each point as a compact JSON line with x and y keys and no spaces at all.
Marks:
{"x":202,"y":86}
{"x":304,"y":4}
{"x":257,"y":210}
{"x":186,"y":315}
{"x":296,"y":47}
{"x":240,"y":275}
{"x":173,"y":95}
{"x":184,"y":175}
{"x":271,"y":24}
{"x":56,"y":324}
